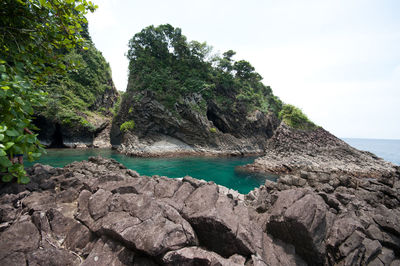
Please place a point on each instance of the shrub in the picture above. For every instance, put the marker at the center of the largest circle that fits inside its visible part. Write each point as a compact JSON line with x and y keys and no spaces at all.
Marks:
{"x":295,"y":118}
{"x":128,"y":125}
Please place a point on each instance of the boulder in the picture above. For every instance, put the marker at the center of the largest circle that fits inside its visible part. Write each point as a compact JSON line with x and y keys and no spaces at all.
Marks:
{"x":299,"y":217}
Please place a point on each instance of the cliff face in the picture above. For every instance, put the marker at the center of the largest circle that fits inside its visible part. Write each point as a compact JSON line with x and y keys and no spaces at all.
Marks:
{"x":79,"y":104}
{"x":159,"y":131}
{"x":97,"y":212}
{"x":183,"y":100}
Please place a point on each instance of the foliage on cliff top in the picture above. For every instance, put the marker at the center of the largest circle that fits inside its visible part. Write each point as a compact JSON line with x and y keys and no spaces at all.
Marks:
{"x":72,"y":97}
{"x":162,"y":60}
{"x":295,"y":118}
{"x":35,"y":35}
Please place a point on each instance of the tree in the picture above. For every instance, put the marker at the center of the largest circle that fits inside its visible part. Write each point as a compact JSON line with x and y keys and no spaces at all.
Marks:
{"x":35,"y":35}
{"x":295,"y":118}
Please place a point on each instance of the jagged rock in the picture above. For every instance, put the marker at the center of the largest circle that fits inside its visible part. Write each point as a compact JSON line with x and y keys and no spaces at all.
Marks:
{"x":22,"y":236}
{"x":52,"y":256}
{"x":214,"y":218}
{"x":159,"y":131}
{"x":300,"y":218}
{"x":322,"y":156}
{"x":99,"y":212}
{"x":277,"y":252}
{"x":198,"y":256}
{"x":108,"y":252}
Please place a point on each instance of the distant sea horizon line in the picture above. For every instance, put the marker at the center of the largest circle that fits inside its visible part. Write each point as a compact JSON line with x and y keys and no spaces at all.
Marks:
{"x":343,"y":138}
{"x":387,"y":149}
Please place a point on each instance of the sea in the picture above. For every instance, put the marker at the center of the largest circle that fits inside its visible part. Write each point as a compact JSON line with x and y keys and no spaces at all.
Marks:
{"x":388,"y":149}
{"x":222,"y":171}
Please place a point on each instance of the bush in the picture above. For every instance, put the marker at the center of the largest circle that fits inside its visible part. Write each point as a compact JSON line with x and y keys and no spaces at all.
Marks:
{"x":128,"y":125}
{"x":295,"y":118}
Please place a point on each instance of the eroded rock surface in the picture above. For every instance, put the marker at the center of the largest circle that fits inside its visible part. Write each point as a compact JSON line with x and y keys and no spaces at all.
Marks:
{"x":97,"y":212}
{"x":318,"y":152}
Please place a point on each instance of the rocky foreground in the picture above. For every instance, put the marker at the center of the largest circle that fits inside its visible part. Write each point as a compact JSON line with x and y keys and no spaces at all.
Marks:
{"x":97,"y":212}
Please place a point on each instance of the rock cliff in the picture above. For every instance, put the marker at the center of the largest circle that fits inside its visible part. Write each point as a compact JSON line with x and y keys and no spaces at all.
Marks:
{"x":80,"y":103}
{"x":158,"y":131}
{"x":100,"y":213}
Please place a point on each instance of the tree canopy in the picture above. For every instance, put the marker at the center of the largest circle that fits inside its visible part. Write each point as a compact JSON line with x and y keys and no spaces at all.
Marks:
{"x":162,"y":60}
{"x":35,"y":36}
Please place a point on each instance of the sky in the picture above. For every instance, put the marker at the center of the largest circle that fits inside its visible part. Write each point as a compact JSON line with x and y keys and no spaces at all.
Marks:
{"x":338,"y":60}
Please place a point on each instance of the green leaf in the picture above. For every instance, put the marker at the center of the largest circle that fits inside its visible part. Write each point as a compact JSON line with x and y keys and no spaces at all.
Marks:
{"x":8,"y":145}
{"x":2,"y":152}
{"x":12,"y":133}
{"x":80,"y":8}
{"x":5,"y":88}
{"x":7,"y":178}
{"x":24,"y":180}
{"x":5,"y":162}
{"x":1,"y":137}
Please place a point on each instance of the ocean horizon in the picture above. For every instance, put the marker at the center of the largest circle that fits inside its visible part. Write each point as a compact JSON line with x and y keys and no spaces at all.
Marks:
{"x":387,"y":149}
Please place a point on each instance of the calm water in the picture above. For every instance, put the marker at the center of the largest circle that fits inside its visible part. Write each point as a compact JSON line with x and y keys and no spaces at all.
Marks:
{"x":220,"y":170}
{"x":387,"y":149}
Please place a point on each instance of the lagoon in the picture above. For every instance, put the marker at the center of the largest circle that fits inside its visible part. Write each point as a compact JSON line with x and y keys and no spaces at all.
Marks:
{"x":221,"y":170}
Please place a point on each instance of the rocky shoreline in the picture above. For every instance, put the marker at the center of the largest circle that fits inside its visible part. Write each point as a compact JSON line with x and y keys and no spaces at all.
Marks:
{"x":292,"y":151}
{"x":97,"y":212}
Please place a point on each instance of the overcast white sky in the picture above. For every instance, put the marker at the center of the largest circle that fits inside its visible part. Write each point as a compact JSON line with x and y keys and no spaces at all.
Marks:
{"x":338,"y":60}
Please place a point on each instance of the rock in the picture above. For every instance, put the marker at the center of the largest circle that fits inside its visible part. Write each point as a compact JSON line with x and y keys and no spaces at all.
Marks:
{"x":148,"y":225}
{"x":198,"y":256}
{"x":308,"y":152}
{"x":22,"y":236}
{"x":99,"y":212}
{"x":372,"y":249}
{"x":52,"y":256}
{"x":17,"y":258}
{"x":108,"y":252}
{"x":162,"y":130}
{"x":78,"y":237}
{"x":213,"y":217}
{"x":277,"y":252}
{"x":351,"y":243}
{"x":341,"y":229}
{"x":300,"y":219}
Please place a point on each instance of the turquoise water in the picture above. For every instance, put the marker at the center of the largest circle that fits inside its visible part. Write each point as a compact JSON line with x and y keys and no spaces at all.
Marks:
{"x":388,"y":149}
{"x":220,"y":170}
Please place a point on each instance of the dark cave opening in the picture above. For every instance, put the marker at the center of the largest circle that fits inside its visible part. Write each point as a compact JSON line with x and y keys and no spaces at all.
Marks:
{"x":57,"y":138}
{"x":217,"y":121}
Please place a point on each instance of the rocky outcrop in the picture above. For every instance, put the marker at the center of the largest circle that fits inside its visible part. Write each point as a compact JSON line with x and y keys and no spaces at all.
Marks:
{"x":343,"y":220}
{"x":100,"y":213}
{"x":194,"y":127}
{"x":318,"y":152}
{"x":56,"y":135}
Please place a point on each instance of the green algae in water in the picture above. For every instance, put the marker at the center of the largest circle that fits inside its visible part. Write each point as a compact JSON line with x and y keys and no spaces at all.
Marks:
{"x":220,"y":170}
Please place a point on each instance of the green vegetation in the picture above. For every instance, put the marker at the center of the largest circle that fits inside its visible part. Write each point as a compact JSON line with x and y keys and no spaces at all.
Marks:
{"x":295,"y":118}
{"x":35,"y":37}
{"x":72,"y":96}
{"x":163,"y":61}
{"x":126,"y":126}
